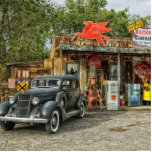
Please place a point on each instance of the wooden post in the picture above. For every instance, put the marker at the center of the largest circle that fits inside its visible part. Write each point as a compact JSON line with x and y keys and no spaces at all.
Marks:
{"x":1,"y":98}
{"x":119,"y":66}
{"x":61,"y":62}
{"x":118,"y":72}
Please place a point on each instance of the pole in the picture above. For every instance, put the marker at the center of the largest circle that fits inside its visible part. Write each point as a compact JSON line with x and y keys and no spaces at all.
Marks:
{"x":118,"y":72}
{"x":118,"y":66}
{"x":61,"y":62}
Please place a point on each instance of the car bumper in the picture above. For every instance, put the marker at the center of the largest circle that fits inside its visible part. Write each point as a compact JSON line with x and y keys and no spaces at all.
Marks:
{"x":25,"y":120}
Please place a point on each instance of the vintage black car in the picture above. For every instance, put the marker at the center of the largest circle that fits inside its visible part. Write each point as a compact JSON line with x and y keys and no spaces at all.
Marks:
{"x":50,"y":100}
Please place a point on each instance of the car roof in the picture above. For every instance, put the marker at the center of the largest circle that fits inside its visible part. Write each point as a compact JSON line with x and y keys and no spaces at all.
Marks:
{"x":61,"y":77}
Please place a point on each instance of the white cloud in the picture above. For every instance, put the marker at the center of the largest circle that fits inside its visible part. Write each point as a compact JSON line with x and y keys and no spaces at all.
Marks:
{"x":139,"y":7}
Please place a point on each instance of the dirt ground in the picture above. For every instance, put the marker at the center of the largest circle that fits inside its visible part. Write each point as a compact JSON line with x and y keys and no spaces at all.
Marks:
{"x":98,"y":130}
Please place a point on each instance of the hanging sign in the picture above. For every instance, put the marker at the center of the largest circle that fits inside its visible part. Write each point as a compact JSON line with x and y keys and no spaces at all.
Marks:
{"x":94,"y":31}
{"x":143,"y":70}
{"x":142,"y":37}
{"x":135,"y":25}
{"x":11,"y":83}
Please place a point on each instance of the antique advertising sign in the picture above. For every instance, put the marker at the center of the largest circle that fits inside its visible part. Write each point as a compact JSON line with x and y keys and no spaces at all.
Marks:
{"x":142,"y":37}
{"x":143,"y":70}
{"x":94,"y":60}
{"x":11,"y":83}
{"x":135,"y":25}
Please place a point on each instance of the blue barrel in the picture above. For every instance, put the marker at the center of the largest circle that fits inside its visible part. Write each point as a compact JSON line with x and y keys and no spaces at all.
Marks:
{"x":134,"y":95}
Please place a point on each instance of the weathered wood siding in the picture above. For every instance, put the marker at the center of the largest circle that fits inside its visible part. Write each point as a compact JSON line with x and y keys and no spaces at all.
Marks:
{"x":83,"y":74}
{"x":66,"y":39}
{"x":58,"y":66}
{"x":58,"y":58}
{"x":28,"y":70}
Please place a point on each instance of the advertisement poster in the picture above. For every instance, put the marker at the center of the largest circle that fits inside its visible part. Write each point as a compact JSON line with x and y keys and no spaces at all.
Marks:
{"x":142,"y":37}
{"x":143,"y":70}
{"x":11,"y":83}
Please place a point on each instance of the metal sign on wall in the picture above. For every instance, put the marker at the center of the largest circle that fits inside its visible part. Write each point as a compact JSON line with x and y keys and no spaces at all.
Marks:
{"x":94,"y":60}
{"x":143,"y":70}
{"x":11,"y":83}
{"x":142,"y":37}
{"x":135,"y":25}
{"x":21,"y":86}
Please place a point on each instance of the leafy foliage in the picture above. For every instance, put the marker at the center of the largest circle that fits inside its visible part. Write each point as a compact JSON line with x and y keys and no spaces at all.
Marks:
{"x":26,"y":24}
{"x":24,"y":29}
{"x":70,"y":17}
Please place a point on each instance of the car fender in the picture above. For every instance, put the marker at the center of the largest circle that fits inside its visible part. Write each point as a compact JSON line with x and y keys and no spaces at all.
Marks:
{"x":47,"y":109}
{"x":59,"y":96}
{"x":4,"y":107}
{"x":81,"y":99}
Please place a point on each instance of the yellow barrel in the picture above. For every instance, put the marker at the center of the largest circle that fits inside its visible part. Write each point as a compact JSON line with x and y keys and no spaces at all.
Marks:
{"x":146,"y":95}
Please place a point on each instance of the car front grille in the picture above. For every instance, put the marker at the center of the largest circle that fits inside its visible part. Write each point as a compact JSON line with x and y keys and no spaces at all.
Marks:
{"x":23,"y":106}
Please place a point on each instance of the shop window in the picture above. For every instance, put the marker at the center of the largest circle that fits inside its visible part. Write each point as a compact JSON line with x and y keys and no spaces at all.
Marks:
{"x":27,"y":74}
{"x":72,"y":69}
{"x":19,"y":73}
{"x":22,"y":74}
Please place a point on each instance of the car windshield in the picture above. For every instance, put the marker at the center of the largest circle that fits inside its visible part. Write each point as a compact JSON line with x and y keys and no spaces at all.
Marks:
{"x":43,"y":83}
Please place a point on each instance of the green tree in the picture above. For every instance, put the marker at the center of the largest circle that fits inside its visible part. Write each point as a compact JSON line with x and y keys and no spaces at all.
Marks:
{"x":69,"y":18}
{"x":24,"y":27}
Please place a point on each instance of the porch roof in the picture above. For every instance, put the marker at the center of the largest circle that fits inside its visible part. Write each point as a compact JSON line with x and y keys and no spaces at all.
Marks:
{"x":99,"y":49}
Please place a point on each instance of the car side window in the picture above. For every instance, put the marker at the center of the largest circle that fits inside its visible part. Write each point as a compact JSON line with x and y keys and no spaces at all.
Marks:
{"x":66,"y":84}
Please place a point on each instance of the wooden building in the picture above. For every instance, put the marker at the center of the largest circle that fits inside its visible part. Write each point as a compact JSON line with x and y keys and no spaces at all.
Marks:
{"x":69,"y":55}
{"x":25,"y":72}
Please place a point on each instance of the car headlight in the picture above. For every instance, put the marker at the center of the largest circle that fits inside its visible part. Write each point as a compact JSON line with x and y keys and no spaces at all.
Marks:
{"x":35,"y":101}
{"x":11,"y":100}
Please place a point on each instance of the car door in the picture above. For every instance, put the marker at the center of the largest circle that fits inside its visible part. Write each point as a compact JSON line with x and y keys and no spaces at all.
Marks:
{"x":66,"y":87}
{"x":75,"y":91}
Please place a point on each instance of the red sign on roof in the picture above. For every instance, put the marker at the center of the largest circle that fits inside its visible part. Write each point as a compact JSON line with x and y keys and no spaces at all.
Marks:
{"x":94,"y":31}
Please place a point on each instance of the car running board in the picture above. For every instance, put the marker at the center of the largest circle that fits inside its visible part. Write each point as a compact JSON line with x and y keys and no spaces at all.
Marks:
{"x":71,"y":114}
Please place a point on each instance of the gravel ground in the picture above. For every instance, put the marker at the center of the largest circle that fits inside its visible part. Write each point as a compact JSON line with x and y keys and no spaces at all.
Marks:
{"x":98,"y":130}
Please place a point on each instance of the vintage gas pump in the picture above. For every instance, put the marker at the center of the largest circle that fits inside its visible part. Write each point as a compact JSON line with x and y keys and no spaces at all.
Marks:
{"x":112,"y":95}
{"x":94,"y":62}
{"x":92,"y":97}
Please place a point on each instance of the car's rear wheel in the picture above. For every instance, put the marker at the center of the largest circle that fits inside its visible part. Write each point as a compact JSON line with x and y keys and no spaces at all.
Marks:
{"x":82,"y":110}
{"x":7,"y":125}
{"x":53,"y":124}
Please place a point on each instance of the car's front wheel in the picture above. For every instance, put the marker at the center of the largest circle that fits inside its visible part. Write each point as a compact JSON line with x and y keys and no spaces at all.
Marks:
{"x":7,"y":125}
{"x":82,"y":110}
{"x":53,"y":124}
